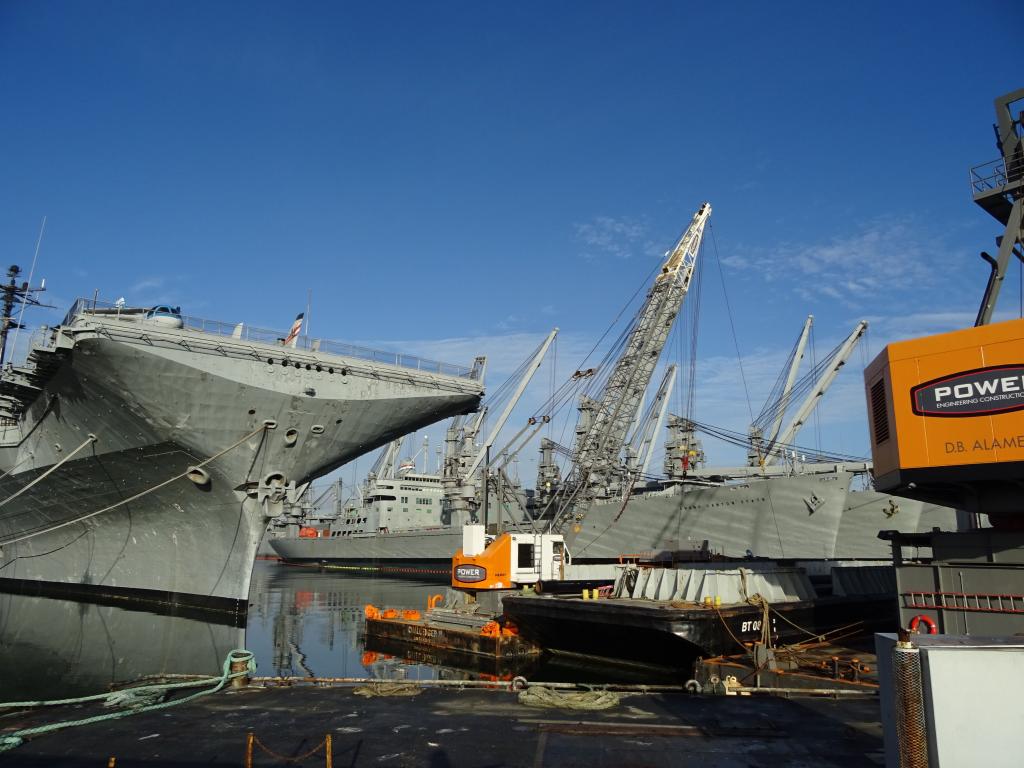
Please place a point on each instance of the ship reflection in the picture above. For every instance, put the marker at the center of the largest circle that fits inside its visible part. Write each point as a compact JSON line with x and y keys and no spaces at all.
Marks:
{"x":307,"y":622}
{"x":53,"y":648}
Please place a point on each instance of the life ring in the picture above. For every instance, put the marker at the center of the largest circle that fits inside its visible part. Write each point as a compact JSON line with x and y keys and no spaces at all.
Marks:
{"x":926,"y":620}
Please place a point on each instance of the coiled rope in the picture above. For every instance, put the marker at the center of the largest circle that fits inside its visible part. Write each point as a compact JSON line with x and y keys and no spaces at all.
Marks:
{"x":130,"y":499}
{"x":136,"y":700}
{"x":539,"y":696}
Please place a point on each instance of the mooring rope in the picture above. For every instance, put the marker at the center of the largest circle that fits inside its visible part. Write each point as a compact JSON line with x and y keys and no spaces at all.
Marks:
{"x":237,"y":656}
{"x":89,"y":441}
{"x":139,"y":495}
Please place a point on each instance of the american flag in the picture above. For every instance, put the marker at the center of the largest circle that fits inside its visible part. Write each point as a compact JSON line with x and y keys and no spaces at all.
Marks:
{"x":293,"y":334}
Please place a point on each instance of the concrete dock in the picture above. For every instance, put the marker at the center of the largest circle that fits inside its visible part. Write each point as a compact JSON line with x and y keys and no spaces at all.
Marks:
{"x":479,"y":727}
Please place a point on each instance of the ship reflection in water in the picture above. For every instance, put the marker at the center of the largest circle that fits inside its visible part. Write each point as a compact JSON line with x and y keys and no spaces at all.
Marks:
{"x":309,"y":623}
{"x":52,"y":648}
{"x":301,"y":622}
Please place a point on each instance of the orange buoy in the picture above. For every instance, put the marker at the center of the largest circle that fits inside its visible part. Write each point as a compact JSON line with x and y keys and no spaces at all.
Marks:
{"x":926,"y":620}
{"x":371,"y":612}
{"x":411,"y":615}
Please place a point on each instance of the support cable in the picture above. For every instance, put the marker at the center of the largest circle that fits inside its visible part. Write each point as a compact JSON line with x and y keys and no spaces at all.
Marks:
{"x":89,"y":441}
{"x":728,"y":309}
{"x":139,"y":495}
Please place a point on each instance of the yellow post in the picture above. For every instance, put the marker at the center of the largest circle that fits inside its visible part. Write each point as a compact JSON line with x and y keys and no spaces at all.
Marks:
{"x":242,"y":680}
{"x":248,"y":750}
{"x":330,"y":755}
{"x":112,"y":762}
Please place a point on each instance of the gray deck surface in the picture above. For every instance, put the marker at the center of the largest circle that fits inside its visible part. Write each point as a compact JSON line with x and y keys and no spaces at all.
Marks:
{"x":440,"y":728}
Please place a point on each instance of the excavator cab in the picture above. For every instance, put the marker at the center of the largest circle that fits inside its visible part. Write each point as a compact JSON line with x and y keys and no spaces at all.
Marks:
{"x":508,"y":560}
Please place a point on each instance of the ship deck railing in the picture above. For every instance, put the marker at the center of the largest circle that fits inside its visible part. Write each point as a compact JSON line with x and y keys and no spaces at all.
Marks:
{"x":246,"y":333}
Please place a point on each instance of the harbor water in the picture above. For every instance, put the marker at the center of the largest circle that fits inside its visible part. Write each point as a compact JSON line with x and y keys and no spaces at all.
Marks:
{"x":302,"y":622}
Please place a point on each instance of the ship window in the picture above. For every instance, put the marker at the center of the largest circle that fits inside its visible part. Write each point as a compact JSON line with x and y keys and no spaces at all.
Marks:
{"x":382,"y":497}
{"x":405,"y":499}
{"x":524,"y":556}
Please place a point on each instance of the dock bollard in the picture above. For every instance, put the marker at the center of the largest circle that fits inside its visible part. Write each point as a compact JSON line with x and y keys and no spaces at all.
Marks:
{"x":239,"y":666}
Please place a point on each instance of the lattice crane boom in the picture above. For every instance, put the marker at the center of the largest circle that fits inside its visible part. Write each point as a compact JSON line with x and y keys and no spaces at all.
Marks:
{"x":597,"y":459}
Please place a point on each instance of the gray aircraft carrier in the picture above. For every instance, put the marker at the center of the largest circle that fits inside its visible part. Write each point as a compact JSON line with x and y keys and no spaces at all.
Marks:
{"x":143,"y":452}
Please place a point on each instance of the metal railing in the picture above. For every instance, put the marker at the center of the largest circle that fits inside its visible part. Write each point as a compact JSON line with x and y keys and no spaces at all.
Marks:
{"x":246,"y":333}
{"x":996,"y":174}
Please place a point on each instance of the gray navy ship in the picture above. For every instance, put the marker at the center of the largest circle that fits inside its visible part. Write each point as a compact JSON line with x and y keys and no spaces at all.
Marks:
{"x":142,"y":452}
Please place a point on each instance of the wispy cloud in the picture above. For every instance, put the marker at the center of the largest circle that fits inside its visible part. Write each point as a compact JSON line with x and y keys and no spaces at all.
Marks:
{"x":884,"y":257}
{"x":148,"y":284}
{"x":619,"y":237}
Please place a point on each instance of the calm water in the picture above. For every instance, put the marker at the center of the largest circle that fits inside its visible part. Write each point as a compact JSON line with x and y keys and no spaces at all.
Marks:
{"x":301,"y":621}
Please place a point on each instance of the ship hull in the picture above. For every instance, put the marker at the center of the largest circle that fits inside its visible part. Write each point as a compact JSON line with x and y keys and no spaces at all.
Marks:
{"x":424,"y":554}
{"x":802,"y":516}
{"x":95,"y":495}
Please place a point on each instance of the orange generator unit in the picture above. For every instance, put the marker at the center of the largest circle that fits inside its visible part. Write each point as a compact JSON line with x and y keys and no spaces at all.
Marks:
{"x":947,"y":420}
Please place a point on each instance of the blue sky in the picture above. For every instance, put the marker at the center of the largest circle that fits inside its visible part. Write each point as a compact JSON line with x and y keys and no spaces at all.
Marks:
{"x":457,"y":178}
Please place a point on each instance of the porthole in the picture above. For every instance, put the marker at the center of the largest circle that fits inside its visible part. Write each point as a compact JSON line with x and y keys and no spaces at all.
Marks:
{"x":309,"y":367}
{"x":284,"y":363}
{"x":298,"y":365}
{"x":270,"y":361}
{"x":330,"y":370}
{"x":319,"y":369}
{"x":252,"y":411}
{"x":337,"y":421}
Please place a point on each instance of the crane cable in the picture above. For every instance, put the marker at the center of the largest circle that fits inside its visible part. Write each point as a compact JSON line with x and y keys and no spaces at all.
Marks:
{"x":732,"y":327}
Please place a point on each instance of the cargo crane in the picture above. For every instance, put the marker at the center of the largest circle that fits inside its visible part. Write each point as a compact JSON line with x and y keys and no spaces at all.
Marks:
{"x":640,"y":450}
{"x":598,"y":470}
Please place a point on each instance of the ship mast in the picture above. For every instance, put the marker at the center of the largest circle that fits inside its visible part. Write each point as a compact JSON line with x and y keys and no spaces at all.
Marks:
{"x":14,"y":295}
{"x":598,"y":470}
